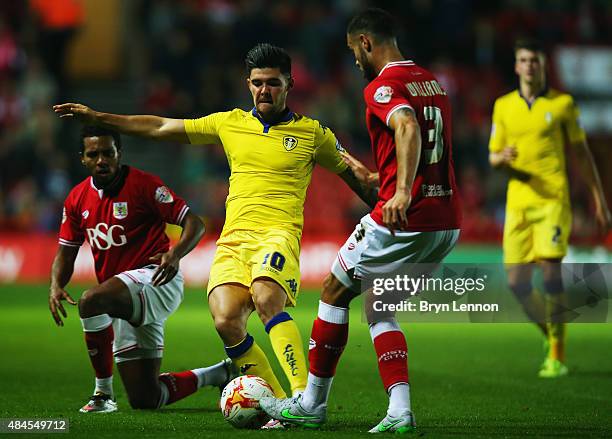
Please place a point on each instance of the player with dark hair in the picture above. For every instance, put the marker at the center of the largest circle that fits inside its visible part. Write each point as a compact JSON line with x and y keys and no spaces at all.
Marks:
{"x":271,"y":151}
{"x":416,"y":219}
{"x":122,"y":213}
{"x":530,"y":128}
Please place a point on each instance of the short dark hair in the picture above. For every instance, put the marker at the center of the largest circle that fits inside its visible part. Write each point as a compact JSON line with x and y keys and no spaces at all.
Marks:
{"x":375,"y":21}
{"x":97,"y":131}
{"x":266,"y":55}
{"x":528,"y":44}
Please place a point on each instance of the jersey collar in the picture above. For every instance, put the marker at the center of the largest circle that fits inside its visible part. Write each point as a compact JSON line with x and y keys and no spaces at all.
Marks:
{"x":406,"y":62}
{"x":286,"y":116}
{"x":542,"y":93}
{"x":115,"y":186}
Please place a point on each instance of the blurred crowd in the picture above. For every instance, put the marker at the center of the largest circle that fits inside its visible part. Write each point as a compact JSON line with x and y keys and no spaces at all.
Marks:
{"x":184,"y":58}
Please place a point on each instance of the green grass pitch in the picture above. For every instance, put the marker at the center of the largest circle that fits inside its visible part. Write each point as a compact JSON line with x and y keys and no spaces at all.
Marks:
{"x":468,"y":380}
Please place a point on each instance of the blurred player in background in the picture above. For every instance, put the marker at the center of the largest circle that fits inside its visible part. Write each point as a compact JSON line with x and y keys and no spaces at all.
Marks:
{"x":416,"y":218}
{"x":122,"y":212}
{"x":271,"y":152}
{"x":531,"y":126}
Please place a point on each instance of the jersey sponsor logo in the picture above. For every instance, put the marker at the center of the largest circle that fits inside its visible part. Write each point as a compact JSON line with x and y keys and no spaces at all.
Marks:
{"x":120,"y":209}
{"x":64,"y":215}
{"x":383,"y":94}
{"x":289,"y":142}
{"x":351,"y":246}
{"x":85,"y":214}
{"x":103,"y":236}
{"x":435,"y":190}
{"x":163,"y":195}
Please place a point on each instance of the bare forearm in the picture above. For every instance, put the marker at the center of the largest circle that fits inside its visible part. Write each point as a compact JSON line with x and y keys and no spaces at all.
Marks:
{"x":589,"y":171}
{"x":408,"y":151}
{"x":193,"y":230}
{"x":363,"y":187}
{"x":63,"y":267}
{"x":153,"y":127}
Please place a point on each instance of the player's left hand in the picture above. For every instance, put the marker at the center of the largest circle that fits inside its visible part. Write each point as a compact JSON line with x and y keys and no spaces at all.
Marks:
{"x":168,"y":267}
{"x":394,"y":211}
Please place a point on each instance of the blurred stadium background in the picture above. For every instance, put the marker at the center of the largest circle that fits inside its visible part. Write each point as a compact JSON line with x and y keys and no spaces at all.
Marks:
{"x":184,"y":58}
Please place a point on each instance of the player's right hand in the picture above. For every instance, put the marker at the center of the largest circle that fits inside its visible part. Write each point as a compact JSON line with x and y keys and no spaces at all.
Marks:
{"x":508,"y":154}
{"x":394,"y":211}
{"x":80,"y":111}
{"x":56,"y":295}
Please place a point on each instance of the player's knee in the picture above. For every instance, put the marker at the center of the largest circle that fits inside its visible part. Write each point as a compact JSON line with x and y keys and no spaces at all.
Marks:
{"x":230,"y":329}
{"x":143,"y":402}
{"x":92,"y":302}
{"x":553,"y":286}
{"x":520,"y":288}
{"x":269,"y":304}
{"x":335,"y":293}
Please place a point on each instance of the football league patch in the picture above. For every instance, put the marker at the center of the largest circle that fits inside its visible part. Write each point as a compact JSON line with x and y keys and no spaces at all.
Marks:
{"x":163,"y":195}
{"x":120,"y":210}
{"x":64,"y":215}
{"x":339,"y":147}
{"x":383,"y":94}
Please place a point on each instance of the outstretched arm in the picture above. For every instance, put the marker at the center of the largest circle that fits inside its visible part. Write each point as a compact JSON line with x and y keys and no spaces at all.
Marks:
{"x":61,"y":272}
{"x":193,"y":230}
{"x":589,"y":171}
{"x":153,"y":127}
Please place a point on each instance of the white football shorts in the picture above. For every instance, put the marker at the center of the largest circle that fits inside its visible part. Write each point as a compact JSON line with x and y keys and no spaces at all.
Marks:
{"x":373,"y":250}
{"x":147,"y":339}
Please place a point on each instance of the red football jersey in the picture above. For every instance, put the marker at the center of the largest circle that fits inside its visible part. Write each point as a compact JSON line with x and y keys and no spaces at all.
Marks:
{"x":125,"y":227}
{"x":403,"y":84}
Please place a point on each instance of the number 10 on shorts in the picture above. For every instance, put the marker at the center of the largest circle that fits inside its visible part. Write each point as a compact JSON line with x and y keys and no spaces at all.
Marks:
{"x":276,"y":260}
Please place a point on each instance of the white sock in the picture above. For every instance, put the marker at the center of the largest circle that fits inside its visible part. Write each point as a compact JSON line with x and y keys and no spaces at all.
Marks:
{"x":316,"y":393}
{"x":105,"y":385}
{"x":399,"y":399}
{"x":214,"y":375}
{"x":163,"y":395}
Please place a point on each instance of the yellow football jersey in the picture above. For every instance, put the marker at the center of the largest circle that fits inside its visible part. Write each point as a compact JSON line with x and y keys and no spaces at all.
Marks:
{"x":538,"y":132}
{"x":271,"y":165}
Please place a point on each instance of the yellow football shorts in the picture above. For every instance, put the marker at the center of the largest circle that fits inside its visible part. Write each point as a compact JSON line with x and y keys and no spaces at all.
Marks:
{"x":538,"y":232}
{"x":243,"y":256}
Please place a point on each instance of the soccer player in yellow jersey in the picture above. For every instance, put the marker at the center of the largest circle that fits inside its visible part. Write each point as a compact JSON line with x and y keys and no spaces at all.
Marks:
{"x":531,"y":126}
{"x":271,"y":152}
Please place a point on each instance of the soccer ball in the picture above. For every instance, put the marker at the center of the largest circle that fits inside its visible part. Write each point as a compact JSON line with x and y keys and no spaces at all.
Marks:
{"x":239,"y":401}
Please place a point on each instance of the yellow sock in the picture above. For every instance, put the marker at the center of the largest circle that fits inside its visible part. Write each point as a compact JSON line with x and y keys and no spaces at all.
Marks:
{"x":287,"y":344}
{"x":556,"y":339}
{"x":557,"y":328}
{"x":251,"y":360}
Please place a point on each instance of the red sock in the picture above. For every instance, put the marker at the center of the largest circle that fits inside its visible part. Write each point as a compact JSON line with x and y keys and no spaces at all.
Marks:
{"x":392,"y":356}
{"x":327,"y":342}
{"x":100,"y":348}
{"x":179,"y":384}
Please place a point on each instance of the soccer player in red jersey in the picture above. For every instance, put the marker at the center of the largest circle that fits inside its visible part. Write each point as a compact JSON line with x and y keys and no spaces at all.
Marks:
{"x":122,"y":212}
{"x":416,"y":219}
